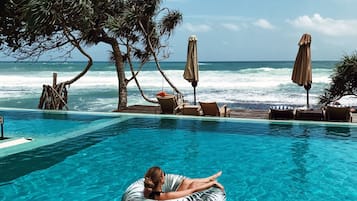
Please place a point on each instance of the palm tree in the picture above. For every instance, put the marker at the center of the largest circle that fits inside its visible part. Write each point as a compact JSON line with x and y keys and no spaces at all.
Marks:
{"x":344,"y":80}
{"x":143,"y":30}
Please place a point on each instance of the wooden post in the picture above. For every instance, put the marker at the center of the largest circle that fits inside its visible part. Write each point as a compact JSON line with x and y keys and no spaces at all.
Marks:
{"x":54,"y":82}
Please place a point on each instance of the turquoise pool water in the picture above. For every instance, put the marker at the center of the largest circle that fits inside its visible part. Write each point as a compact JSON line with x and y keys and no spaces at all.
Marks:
{"x":260,"y":160}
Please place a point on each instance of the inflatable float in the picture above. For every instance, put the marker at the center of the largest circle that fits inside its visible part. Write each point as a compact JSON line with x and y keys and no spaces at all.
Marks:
{"x":135,"y":192}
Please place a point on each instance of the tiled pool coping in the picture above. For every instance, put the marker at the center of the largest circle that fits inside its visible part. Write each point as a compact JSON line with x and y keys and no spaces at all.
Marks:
{"x":13,"y":142}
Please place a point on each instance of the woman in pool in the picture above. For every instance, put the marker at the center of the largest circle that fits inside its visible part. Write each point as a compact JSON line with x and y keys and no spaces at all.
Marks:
{"x":155,"y":177}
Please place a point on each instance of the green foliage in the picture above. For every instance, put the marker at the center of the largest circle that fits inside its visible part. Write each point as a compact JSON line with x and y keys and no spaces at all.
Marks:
{"x":344,"y":80}
{"x":137,"y":24}
{"x":11,"y":24}
{"x":36,"y":26}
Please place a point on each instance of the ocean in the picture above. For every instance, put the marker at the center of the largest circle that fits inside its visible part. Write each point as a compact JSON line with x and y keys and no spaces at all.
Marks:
{"x":240,"y":85}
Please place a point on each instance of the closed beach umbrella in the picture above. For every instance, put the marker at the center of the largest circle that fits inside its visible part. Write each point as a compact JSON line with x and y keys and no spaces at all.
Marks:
{"x":191,"y":69}
{"x":302,"y":72}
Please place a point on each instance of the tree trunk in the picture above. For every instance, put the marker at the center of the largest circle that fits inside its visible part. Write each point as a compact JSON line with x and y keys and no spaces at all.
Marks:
{"x":122,"y":81}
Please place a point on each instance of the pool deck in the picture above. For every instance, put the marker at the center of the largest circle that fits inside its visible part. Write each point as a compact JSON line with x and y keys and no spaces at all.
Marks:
{"x":235,"y":113}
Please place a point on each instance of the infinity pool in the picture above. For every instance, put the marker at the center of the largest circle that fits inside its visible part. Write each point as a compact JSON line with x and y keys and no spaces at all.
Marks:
{"x":96,"y":156}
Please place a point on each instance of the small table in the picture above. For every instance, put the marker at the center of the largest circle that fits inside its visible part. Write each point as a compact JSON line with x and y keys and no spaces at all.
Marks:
{"x":312,"y":114}
{"x":191,"y":110}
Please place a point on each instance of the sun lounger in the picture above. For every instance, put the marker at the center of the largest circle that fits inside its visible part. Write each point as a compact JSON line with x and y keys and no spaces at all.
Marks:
{"x":281,"y":112}
{"x":309,"y":114}
{"x":212,"y":109}
{"x":338,"y":113}
{"x":168,"y":104}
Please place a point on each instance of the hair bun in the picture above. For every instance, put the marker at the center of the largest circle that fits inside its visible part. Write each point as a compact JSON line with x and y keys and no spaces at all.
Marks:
{"x":148,"y":183}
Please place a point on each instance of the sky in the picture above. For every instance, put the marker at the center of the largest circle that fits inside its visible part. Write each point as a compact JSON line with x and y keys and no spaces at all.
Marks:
{"x":256,"y":30}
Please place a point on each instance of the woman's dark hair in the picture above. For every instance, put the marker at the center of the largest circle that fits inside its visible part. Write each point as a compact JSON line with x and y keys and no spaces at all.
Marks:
{"x":152,"y":178}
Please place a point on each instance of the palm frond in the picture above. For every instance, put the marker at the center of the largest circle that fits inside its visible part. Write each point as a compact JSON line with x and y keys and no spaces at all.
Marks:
{"x":343,"y":80}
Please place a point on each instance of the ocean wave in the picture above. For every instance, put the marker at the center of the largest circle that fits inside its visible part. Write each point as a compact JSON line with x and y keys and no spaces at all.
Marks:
{"x":97,"y":90}
{"x":204,"y":64}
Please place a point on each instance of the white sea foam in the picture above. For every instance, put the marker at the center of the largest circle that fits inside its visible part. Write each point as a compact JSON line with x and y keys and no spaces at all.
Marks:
{"x":97,"y":90}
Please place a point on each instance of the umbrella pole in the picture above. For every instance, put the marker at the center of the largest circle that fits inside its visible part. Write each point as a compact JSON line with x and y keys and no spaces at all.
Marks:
{"x":194,"y":85}
{"x":307,"y":87}
{"x":194,"y":95}
{"x":307,"y":99}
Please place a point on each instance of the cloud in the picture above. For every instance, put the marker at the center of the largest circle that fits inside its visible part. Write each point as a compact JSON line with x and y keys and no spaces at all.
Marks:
{"x":326,"y":26}
{"x":230,"y":23}
{"x":263,"y":23}
{"x":231,"y":27}
{"x":197,"y":27}
{"x":174,"y":1}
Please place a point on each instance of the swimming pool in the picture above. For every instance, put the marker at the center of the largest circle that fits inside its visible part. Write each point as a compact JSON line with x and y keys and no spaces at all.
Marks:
{"x":260,"y":160}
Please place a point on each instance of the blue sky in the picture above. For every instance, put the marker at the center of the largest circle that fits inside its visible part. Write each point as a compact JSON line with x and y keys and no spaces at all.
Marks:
{"x":245,"y":30}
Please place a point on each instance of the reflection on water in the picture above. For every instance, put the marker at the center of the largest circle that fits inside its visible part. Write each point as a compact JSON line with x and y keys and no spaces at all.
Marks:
{"x":299,"y":149}
{"x":281,"y":129}
{"x":342,"y":131}
{"x":302,"y":137}
{"x":311,"y":130}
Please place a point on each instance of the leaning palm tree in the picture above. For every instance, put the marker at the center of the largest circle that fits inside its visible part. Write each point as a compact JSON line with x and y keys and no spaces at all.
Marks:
{"x":143,"y":30}
{"x":344,"y":80}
